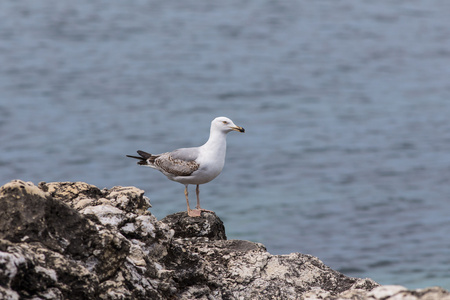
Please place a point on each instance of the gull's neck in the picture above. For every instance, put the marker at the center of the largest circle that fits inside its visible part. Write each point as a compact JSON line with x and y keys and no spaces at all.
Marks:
{"x":217,"y":143}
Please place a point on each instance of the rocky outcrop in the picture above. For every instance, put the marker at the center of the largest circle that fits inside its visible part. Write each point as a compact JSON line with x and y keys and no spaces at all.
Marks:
{"x":65,"y":240}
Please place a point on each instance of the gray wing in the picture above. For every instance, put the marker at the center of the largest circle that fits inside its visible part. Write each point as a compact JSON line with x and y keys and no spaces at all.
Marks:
{"x":180,"y":162}
{"x":185,"y":154}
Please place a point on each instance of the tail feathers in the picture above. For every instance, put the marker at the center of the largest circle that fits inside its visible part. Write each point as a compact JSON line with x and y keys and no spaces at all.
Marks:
{"x":144,"y":158}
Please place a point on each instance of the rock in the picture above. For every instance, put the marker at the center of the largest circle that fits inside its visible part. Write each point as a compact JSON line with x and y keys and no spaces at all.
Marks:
{"x":397,"y":292}
{"x":386,"y":291}
{"x":234,"y":269}
{"x":209,"y":226}
{"x":27,"y":214}
{"x":71,"y":240}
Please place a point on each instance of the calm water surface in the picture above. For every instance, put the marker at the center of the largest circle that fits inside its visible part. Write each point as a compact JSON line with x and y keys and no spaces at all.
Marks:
{"x":346,"y":154}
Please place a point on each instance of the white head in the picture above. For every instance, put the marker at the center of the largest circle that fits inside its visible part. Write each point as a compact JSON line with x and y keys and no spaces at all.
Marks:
{"x":225,"y":125}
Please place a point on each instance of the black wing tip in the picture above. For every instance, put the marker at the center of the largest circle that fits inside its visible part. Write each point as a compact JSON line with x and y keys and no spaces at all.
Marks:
{"x":132,"y":156}
{"x":144,"y":156}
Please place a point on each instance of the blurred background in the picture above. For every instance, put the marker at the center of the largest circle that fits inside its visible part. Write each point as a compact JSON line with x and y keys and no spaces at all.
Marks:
{"x":346,"y":107}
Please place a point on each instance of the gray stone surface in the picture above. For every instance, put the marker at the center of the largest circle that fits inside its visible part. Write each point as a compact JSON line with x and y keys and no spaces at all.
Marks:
{"x":71,"y":240}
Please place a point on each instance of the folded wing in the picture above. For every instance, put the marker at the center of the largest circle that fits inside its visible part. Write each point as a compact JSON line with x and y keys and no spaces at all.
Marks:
{"x":180,"y":162}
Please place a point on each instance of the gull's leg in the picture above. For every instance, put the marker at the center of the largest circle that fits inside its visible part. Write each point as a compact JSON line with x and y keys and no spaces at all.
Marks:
{"x":191,"y":212}
{"x":187,"y":198}
{"x":197,"y":191}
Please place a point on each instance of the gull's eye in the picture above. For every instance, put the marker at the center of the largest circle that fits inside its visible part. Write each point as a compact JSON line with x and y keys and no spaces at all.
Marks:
{"x":224,"y":122}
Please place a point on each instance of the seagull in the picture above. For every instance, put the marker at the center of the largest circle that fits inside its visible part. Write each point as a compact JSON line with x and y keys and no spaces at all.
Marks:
{"x":196,"y":165}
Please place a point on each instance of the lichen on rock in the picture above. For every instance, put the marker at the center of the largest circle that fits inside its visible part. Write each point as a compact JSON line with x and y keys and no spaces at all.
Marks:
{"x":71,"y":240}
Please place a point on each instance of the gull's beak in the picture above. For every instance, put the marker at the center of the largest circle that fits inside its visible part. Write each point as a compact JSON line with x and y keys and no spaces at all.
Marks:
{"x":238,"y":128}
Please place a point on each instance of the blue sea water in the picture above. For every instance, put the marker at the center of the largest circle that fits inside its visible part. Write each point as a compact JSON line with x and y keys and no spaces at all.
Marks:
{"x":346,"y":107}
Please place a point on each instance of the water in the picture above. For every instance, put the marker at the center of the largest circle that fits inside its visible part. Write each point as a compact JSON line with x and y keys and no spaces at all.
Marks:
{"x":346,"y":154}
